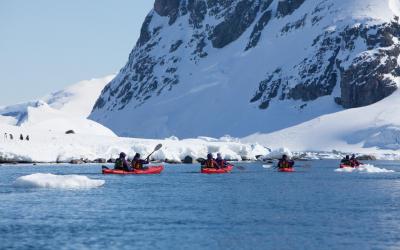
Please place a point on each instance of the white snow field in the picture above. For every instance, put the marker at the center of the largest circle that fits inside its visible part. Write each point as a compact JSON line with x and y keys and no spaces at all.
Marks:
{"x":47,"y":120}
{"x":372,"y":129}
{"x":57,"y":181}
{"x":61,"y":111}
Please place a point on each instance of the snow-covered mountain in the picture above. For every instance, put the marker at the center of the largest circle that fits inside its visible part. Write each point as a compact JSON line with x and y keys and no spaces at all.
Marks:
{"x":370,"y":129}
{"x":206,"y":67}
{"x":58,"y":112}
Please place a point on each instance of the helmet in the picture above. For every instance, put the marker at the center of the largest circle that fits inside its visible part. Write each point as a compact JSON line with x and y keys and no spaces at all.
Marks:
{"x":137,"y":155}
{"x":209,"y":156}
{"x":284,"y":156}
{"x":122,"y":155}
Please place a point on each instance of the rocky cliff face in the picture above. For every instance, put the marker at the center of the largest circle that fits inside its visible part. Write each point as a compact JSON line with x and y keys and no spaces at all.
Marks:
{"x":263,"y":53}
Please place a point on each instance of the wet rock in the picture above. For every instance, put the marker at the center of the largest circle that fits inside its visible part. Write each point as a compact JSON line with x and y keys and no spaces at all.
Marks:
{"x":69,"y":132}
{"x":366,"y":158}
{"x":100,"y":160}
{"x":76,"y":161}
{"x":111,"y":160}
{"x":188,"y":160}
{"x":172,"y":161}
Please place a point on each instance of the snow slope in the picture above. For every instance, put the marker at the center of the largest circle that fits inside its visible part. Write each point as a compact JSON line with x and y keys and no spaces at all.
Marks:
{"x":61,"y":111}
{"x":306,"y":63}
{"x":370,"y":129}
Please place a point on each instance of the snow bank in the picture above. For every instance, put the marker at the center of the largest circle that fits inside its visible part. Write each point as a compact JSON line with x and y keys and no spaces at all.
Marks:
{"x":57,"y":181}
{"x":277,"y":153}
{"x":53,"y":146}
{"x":367,"y":168}
{"x":374,"y":129}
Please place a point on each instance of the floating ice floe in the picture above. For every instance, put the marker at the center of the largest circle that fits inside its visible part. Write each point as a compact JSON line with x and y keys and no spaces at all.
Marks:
{"x":367,"y":168}
{"x":57,"y":181}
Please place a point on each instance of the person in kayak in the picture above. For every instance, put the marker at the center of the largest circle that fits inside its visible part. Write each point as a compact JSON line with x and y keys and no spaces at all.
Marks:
{"x":221,"y":162}
{"x":138,"y":163}
{"x":121,"y":163}
{"x":354,"y":162}
{"x":210,"y":162}
{"x":346,"y":161}
{"x":284,"y":162}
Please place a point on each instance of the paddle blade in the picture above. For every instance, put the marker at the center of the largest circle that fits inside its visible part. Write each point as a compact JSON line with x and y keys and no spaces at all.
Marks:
{"x":158,"y":147}
{"x":240,"y":167}
{"x":104,"y":167}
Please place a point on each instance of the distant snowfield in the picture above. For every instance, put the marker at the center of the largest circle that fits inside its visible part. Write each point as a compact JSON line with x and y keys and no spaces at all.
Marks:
{"x":61,"y":111}
{"x":371,"y":129}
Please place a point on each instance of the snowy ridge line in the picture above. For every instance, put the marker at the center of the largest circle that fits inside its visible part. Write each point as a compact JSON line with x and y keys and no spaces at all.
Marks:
{"x":60,"y":111}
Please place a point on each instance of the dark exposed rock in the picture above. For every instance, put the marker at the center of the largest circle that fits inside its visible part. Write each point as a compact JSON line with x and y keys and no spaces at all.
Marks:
{"x":100,"y":160}
{"x":235,"y":24}
{"x":77,"y":161}
{"x":175,"y":46}
{"x":69,"y":132}
{"x":188,"y":160}
{"x":287,"y":7}
{"x":111,"y":160}
{"x":167,"y":8}
{"x":362,"y":81}
{"x":172,"y":161}
{"x":366,"y":158}
{"x":258,"y":28}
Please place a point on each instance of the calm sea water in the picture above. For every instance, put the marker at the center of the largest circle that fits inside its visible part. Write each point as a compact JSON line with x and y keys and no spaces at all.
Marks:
{"x":314,"y":208}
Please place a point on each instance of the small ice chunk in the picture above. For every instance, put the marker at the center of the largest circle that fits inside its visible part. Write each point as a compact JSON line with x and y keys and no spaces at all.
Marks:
{"x":57,"y":181}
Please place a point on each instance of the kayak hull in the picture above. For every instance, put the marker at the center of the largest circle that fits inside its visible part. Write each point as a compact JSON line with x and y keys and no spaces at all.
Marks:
{"x":149,"y":170}
{"x":217,"y":171}
{"x":346,"y":166}
{"x":286,"y":170}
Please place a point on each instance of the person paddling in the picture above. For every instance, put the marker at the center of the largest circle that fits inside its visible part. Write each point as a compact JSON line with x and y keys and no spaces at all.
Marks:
{"x":346,"y":161}
{"x":285,"y":163}
{"x":210,"y":162}
{"x":121,"y":163}
{"x":354,"y":162}
{"x":138,"y":163}
{"x":221,"y":162}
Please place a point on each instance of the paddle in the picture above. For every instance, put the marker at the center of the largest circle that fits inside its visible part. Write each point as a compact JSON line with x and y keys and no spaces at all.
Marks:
{"x":158,"y":147}
{"x":238,"y":167}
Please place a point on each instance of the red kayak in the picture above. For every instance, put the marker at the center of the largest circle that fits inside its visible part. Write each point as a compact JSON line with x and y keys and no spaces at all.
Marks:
{"x":347,"y":166}
{"x":149,"y":170}
{"x":225,"y":170}
{"x":286,"y":170}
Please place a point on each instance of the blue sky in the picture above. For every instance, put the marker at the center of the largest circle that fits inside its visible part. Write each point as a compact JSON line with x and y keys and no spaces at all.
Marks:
{"x":46,"y":45}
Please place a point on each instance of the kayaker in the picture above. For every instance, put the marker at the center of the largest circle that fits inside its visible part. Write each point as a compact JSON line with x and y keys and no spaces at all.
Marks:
{"x":284,"y":162}
{"x":354,"y":162}
{"x":221,"y":162}
{"x":346,"y":161}
{"x":138,"y":163}
{"x":210,"y":162}
{"x":121,"y":163}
